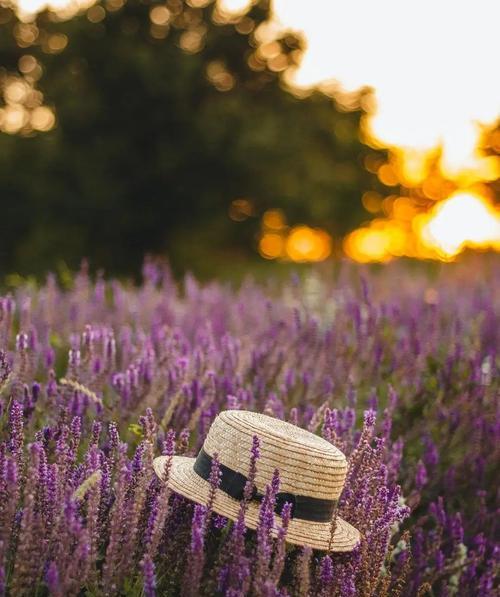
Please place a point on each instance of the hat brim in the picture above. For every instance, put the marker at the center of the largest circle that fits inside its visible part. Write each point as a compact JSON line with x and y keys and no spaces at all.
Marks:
{"x":183,"y":480}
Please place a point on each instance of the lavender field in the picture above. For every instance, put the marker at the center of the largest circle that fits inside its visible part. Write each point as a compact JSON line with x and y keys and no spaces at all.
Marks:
{"x":397,"y":369}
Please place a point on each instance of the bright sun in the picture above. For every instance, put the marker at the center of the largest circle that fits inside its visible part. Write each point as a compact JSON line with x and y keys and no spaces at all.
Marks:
{"x":432,"y":67}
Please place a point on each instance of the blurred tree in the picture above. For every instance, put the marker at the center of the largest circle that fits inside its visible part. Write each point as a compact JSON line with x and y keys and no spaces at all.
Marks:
{"x":165,"y":114}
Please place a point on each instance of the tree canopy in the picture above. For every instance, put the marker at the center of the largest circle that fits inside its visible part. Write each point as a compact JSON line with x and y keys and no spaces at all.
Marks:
{"x":162,"y":120}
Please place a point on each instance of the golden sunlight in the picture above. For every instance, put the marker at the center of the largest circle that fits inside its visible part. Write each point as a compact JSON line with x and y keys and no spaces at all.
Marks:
{"x":464,"y":220}
{"x":431,"y":64}
{"x":435,"y":93}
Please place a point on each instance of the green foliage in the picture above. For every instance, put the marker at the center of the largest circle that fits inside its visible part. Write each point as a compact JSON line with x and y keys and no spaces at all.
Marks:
{"x":148,"y":154}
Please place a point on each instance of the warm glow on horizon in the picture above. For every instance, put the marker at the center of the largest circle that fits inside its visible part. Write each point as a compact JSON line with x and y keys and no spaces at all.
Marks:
{"x":465,"y":220}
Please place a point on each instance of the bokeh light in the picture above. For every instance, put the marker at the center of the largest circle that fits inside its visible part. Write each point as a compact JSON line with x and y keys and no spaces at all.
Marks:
{"x":305,"y":244}
{"x":241,"y":209}
{"x":219,"y":76}
{"x":271,"y":245}
{"x":23,"y":111}
{"x":274,"y":219}
{"x":301,"y":244}
{"x":159,"y":15}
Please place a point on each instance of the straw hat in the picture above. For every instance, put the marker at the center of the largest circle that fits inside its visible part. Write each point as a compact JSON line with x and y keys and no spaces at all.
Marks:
{"x":312,"y":474}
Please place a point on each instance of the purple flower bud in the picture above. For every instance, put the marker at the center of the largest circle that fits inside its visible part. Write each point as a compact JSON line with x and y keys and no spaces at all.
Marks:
{"x":3,"y":585}
{"x":431,"y":455}
{"x":233,"y":402}
{"x":326,"y":571}
{"x":35,"y":391}
{"x":194,"y":570}
{"x":16,"y":427}
{"x":440,"y":560}
{"x":421,"y":478}
{"x":5,"y":368}
{"x":148,"y":425}
{"x":214,"y":480}
{"x":96,"y":432}
{"x":254,"y":456}
{"x":456,"y":528}
{"x":294,"y":416}
{"x":369,"y":419}
{"x":183,"y":441}
{"x":148,"y":572}
{"x":9,"y":305}
{"x":168,"y":448}
{"x":11,"y":474}
{"x":219,"y":522}
{"x":114,"y":437}
{"x":52,"y":579}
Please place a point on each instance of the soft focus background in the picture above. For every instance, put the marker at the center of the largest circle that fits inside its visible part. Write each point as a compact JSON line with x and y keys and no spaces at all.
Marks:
{"x":230,"y":135}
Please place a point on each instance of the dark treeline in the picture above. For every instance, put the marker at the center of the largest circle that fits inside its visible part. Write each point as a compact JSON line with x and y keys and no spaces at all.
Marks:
{"x":153,"y":142}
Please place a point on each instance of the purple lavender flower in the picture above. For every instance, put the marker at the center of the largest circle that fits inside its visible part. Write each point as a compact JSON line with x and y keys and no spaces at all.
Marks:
{"x":80,"y":508}
{"x":16,"y":428}
{"x":52,"y":580}
{"x":194,"y":570}
{"x":148,"y":571}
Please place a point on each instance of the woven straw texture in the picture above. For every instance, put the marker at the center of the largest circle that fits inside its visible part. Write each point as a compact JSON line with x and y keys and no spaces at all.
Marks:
{"x":308,"y":465}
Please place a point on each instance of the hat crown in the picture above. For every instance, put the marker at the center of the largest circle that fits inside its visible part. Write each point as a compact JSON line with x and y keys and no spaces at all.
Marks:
{"x":308,"y":464}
